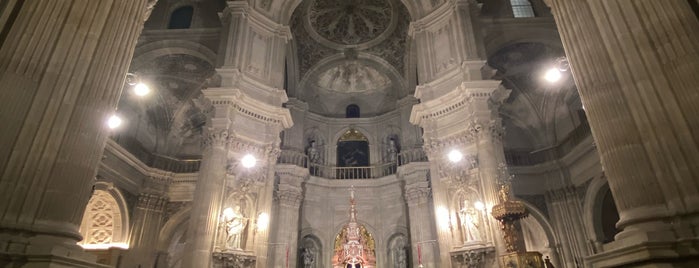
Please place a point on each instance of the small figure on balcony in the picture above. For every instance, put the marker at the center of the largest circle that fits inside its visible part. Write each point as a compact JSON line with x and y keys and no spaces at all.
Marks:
{"x":313,"y":153}
{"x":391,"y":151}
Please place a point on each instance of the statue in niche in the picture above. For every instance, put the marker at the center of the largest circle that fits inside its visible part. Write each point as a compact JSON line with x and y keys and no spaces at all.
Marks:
{"x":234,"y":224}
{"x":470,"y":222}
{"x":401,"y":259}
{"x":313,"y":153}
{"x":392,"y":150}
{"x":308,"y":257}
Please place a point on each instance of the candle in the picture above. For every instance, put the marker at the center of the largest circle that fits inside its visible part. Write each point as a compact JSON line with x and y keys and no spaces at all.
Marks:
{"x":419,"y":254}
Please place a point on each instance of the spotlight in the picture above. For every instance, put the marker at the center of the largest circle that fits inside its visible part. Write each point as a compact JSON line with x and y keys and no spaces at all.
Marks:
{"x":114,"y":121}
{"x":141,"y":89}
{"x":262,"y":221}
{"x":479,"y":205}
{"x":455,"y":156}
{"x":553,"y":75}
{"x":248,"y":161}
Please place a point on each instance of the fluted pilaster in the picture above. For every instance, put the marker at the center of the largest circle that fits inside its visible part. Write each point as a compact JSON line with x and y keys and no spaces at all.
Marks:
{"x":418,"y":195}
{"x":285,"y":232}
{"x":147,"y":221}
{"x":62,"y":65}
{"x":208,"y":198}
{"x":566,"y":216}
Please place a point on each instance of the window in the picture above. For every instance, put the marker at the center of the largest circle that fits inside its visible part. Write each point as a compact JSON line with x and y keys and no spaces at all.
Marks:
{"x":522,"y":9}
{"x":352,"y":111}
{"x":181,"y":18}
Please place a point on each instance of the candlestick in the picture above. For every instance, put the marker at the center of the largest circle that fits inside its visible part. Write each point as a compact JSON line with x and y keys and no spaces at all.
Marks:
{"x":419,"y":255}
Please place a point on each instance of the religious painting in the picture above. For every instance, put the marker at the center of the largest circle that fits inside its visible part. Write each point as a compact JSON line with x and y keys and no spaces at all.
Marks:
{"x":353,"y":153}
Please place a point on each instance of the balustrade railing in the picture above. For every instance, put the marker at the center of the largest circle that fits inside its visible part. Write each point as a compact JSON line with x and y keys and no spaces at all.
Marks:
{"x":350,"y":173}
{"x":341,"y":173}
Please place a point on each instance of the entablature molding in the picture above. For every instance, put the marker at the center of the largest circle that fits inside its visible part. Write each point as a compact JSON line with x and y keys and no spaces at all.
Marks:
{"x":232,"y":77}
{"x":240,"y":103}
{"x":455,"y":100}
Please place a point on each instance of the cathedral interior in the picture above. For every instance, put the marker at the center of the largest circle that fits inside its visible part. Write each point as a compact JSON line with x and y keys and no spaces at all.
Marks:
{"x":349,"y":133}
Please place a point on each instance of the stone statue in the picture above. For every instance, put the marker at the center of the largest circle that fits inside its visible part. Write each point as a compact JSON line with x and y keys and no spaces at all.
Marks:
{"x":313,"y":153}
{"x":235,"y":223}
{"x":391,"y":151}
{"x":401,"y":258}
{"x":469,"y":221}
{"x":308,"y":257}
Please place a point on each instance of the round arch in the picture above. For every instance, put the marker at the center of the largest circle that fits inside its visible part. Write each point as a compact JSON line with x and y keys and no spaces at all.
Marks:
{"x":105,"y":222}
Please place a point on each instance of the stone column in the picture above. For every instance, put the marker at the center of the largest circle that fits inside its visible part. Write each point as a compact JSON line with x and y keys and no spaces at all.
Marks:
{"x":566,"y":216}
{"x":62,"y":66}
{"x":286,"y":219}
{"x":635,"y":66}
{"x":420,"y":215}
{"x":147,"y":221}
{"x":208,"y":197}
{"x":248,"y":103}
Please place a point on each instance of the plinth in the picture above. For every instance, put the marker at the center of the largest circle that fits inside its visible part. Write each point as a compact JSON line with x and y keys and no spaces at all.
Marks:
{"x":234,"y":259}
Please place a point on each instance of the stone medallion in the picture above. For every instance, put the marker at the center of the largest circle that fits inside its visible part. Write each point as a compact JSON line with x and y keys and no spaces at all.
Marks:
{"x":350,"y":23}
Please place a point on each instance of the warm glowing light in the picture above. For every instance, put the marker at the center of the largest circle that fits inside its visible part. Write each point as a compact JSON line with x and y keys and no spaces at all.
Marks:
{"x":553,"y":75}
{"x":479,"y":205}
{"x":114,"y":121}
{"x":141,"y":89}
{"x":228,"y":213}
{"x":106,"y":246}
{"x":455,"y":156}
{"x":443,"y":216}
{"x":263,"y":221}
{"x":248,"y":161}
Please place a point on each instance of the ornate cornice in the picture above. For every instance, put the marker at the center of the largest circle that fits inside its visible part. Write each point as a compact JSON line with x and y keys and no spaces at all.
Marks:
{"x":238,"y":103}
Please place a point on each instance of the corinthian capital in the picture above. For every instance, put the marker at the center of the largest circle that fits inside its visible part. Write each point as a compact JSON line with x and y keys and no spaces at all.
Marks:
{"x":216,"y":138}
{"x":417,"y":193}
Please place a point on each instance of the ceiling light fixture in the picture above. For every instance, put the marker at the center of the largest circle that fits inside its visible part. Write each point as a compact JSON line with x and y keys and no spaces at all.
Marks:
{"x":248,"y":161}
{"x":114,"y":121}
{"x":455,"y":156}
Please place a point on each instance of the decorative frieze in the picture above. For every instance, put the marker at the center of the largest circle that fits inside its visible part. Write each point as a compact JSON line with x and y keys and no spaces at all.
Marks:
{"x":235,"y":259}
{"x":152,"y":202}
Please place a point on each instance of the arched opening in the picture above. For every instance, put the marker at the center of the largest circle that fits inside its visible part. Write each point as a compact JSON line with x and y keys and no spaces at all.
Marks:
{"x":103,"y":225}
{"x":608,"y":216}
{"x":352,"y":111}
{"x":353,"y":151}
{"x":310,"y":253}
{"x":181,"y":18}
{"x":399,"y":251}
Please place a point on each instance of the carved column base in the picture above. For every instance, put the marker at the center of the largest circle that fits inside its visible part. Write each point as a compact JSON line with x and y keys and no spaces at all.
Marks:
{"x":531,"y":259}
{"x":45,"y":251}
{"x":234,"y":259}
{"x":473,"y":256}
{"x":650,"y":254}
